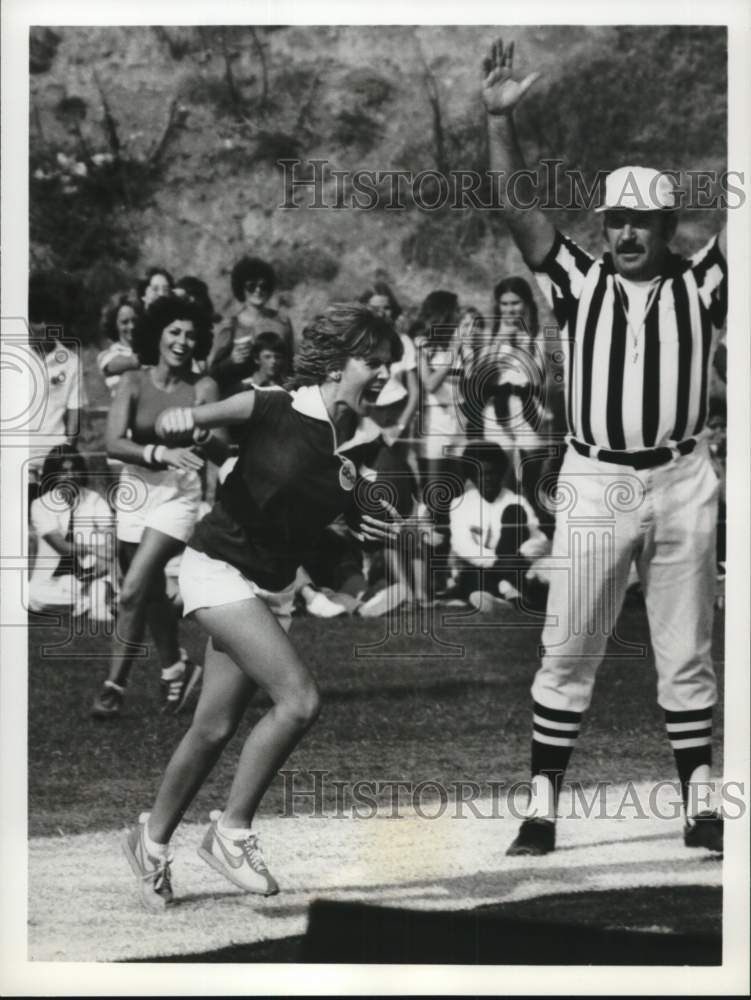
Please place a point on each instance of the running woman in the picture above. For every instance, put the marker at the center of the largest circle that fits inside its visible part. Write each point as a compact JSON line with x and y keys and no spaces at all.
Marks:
{"x":295,"y":474}
{"x":159,"y":494}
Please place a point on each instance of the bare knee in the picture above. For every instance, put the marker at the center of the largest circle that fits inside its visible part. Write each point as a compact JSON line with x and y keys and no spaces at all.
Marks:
{"x":214,"y":731}
{"x":303,"y":707}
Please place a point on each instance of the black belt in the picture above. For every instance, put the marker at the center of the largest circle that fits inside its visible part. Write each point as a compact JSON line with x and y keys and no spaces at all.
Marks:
{"x":648,"y":459}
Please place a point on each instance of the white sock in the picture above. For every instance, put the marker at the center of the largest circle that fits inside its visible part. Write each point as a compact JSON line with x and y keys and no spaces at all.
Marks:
{"x":231,"y":832}
{"x":156,"y":850}
{"x":173,"y":672}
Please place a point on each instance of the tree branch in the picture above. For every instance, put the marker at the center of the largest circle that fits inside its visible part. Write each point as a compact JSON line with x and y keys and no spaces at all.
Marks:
{"x":431,"y":88}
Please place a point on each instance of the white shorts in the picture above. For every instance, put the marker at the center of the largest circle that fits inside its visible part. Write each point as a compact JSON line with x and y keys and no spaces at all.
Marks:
{"x":167,"y":501}
{"x":208,"y":583}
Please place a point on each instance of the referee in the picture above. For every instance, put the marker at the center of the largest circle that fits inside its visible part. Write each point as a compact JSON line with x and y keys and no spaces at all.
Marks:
{"x":636,"y":485}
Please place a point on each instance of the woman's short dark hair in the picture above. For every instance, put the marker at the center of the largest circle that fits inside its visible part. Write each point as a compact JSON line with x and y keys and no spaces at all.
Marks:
{"x":113,"y":305}
{"x":384,"y":289}
{"x":517,"y":286}
{"x":251,"y":269}
{"x":158,"y":316}
{"x":342,"y":331}
{"x":52,"y":470}
{"x":197,"y":290}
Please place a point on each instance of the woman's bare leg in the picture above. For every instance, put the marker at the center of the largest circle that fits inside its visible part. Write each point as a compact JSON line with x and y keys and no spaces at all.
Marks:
{"x":144,"y":577}
{"x":225,"y":695}
{"x":258,"y":652}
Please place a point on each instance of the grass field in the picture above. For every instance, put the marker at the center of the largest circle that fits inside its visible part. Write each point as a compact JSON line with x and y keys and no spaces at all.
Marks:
{"x":401,"y":716}
{"x":448,"y":707}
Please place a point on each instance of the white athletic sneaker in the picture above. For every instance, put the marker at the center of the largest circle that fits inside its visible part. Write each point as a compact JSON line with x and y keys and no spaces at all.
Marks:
{"x":384,"y":601}
{"x":321,"y":606}
{"x":241,"y":861}
{"x":153,"y":872}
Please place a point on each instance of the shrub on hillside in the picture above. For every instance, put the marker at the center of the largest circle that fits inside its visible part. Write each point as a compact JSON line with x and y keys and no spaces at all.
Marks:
{"x":304,"y":264}
{"x":658,"y":96}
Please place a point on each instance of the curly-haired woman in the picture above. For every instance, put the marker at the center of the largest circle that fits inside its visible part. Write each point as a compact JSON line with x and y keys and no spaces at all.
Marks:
{"x":160,"y":492}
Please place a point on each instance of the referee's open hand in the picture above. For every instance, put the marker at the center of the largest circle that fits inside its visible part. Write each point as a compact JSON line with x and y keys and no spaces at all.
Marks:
{"x":500,"y":92}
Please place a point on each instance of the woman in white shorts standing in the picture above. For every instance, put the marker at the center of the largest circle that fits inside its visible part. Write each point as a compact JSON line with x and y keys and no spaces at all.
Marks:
{"x":295,"y":474}
{"x":159,"y":493}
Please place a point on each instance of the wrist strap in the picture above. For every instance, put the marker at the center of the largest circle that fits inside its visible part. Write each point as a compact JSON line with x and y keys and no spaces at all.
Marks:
{"x":148,"y":454}
{"x":159,"y":451}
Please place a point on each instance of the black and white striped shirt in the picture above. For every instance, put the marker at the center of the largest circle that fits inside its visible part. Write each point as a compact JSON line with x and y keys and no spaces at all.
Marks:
{"x":633,"y":387}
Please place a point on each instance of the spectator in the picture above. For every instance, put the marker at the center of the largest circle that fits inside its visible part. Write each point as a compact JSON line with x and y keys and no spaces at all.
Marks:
{"x":512,"y":370}
{"x":442,"y":360}
{"x":119,"y":318}
{"x":471,"y":332}
{"x":74,"y":529}
{"x":270,"y":361}
{"x":401,"y":394}
{"x":253,"y":282}
{"x":156,"y":521}
{"x":158,"y":284}
{"x":495,"y":535}
{"x":51,"y":308}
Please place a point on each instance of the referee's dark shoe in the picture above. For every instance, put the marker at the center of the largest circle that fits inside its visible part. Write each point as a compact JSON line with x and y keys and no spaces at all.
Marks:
{"x":705,"y":830}
{"x":535,"y":837}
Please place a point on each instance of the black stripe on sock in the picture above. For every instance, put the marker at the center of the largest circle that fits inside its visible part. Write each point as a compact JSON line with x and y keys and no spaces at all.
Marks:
{"x":558,"y":715}
{"x":690,"y":734}
{"x":566,"y":734}
{"x":695,"y":715}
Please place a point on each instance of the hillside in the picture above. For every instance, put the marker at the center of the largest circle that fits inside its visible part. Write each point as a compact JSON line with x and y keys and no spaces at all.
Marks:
{"x":179,"y":132}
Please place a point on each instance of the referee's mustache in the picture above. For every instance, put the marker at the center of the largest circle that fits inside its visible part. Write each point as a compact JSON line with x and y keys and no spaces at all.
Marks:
{"x":629,"y":246}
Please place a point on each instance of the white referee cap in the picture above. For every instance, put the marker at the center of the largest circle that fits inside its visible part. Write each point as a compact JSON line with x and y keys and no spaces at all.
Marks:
{"x":640,"y":189}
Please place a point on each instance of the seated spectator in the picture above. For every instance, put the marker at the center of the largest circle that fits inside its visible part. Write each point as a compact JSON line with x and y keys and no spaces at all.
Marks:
{"x":253,"y":282}
{"x":495,"y":536}
{"x":118,"y":323}
{"x":75,"y":534}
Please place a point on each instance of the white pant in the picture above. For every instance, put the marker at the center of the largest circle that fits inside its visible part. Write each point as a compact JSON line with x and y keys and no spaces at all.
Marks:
{"x":663,"y":520}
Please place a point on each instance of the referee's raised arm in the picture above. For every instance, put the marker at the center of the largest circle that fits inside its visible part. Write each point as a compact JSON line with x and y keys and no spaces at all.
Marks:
{"x":533,"y":232}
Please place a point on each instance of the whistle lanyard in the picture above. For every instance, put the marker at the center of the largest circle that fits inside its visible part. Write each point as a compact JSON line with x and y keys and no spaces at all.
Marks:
{"x":636,"y":331}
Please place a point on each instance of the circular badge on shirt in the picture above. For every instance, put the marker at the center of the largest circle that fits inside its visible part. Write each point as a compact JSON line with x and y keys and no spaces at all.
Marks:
{"x":347,"y":475}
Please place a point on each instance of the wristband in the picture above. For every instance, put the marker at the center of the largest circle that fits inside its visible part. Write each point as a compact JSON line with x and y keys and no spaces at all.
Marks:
{"x":148,"y":454}
{"x":159,"y":451}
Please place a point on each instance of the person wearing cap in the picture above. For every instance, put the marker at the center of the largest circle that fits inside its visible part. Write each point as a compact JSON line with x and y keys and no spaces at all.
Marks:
{"x":637,"y":485}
